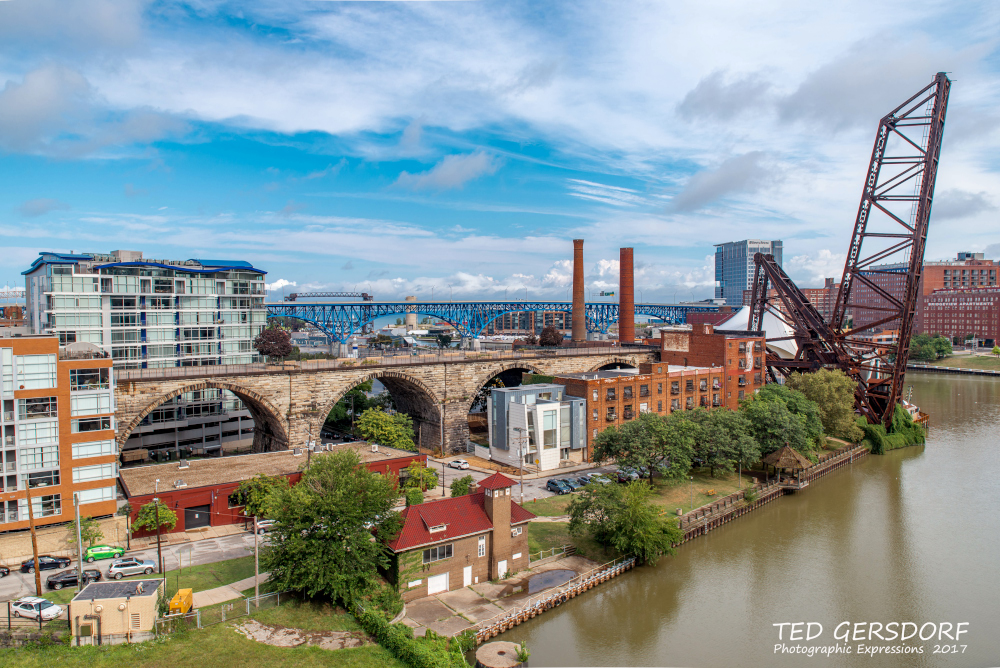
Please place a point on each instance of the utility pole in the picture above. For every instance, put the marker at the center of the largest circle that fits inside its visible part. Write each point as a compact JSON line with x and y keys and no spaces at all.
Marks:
{"x":442,"y":477}
{"x":159,"y":553}
{"x":34,"y":545}
{"x":79,"y":544}
{"x":256,"y":566}
{"x":520,"y":455}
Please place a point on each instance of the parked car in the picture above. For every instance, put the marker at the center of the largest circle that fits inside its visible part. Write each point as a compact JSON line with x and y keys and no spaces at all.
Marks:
{"x":458,"y":464}
{"x":600,"y":478}
{"x":585,"y":480}
{"x":45,"y":563}
{"x":557,"y":486}
{"x":102,"y":552}
{"x":263,"y":526}
{"x":69,"y":578}
{"x":571,"y":483}
{"x":4,"y":571}
{"x":120,"y":568}
{"x":32,"y":607}
{"x":627,"y":475}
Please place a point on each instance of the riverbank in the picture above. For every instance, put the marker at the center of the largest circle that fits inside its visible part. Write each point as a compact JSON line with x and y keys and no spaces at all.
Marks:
{"x":988,"y":367}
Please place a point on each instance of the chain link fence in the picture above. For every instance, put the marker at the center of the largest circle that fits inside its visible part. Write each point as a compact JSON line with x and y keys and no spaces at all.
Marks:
{"x":216,"y":614}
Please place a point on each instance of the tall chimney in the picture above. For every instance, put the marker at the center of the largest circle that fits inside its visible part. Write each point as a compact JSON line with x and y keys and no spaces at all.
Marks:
{"x":626,"y":298}
{"x":579,"y":314}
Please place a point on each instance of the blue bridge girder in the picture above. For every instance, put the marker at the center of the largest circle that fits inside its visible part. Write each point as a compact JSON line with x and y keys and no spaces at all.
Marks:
{"x":341,"y":321}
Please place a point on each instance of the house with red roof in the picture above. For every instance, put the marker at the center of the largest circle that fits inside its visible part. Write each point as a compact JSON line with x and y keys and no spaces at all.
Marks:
{"x":453,"y":543}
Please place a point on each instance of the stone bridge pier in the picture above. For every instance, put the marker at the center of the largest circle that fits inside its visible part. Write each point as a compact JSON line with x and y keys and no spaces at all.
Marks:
{"x":289,"y":404}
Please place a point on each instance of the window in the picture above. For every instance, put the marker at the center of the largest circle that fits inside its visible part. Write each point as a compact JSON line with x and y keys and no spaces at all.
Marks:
{"x":37,"y":432}
{"x":644,"y":390}
{"x":675,"y":387}
{"x":36,"y":372}
{"x":611,"y":414}
{"x":90,"y":424}
{"x":659,"y":406}
{"x":595,"y":433}
{"x":549,"y":429}
{"x":703,"y":385}
{"x":564,"y":429}
{"x":742,"y":394}
{"x":627,"y":392}
{"x":689,"y":385}
{"x":42,"y":506}
{"x":689,"y":404}
{"x":611,"y":394}
{"x":595,"y":395}
{"x":40,"y":479}
{"x":89,"y":379}
{"x":595,"y":415}
{"x":675,"y":404}
{"x":89,"y":404}
{"x":95,"y":472}
{"x":659,"y":388}
{"x":482,"y":546}
{"x":515,"y":531}
{"x":437,"y":553}
{"x":37,"y":409}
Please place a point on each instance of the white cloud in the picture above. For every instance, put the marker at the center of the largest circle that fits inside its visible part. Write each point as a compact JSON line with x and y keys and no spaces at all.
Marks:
{"x":741,"y":173}
{"x":809,"y":271}
{"x":956,"y":203}
{"x":452,"y":172}
{"x":279,"y":284}
{"x":38,"y":207}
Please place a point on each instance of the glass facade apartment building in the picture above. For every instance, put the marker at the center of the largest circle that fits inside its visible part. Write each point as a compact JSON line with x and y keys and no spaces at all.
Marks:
{"x":146,"y":313}
{"x":734,"y":267}
{"x":57,"y":431}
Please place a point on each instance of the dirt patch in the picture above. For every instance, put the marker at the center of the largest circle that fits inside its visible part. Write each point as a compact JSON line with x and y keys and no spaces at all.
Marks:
{"x":281,"y":636}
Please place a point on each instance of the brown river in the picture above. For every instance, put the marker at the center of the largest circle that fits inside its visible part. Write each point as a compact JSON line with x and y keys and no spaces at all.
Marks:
{"x":912,"y":536}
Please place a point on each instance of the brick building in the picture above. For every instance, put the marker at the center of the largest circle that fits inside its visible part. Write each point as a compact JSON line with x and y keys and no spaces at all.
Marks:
{"x":960,"y":313}
{"x":740,"y":353}
{"x":457,"y":542}
{"x":616,"y":396}
{"x":200,"y":491}
{"x":525,"y":322}
{"x":57,"y":430}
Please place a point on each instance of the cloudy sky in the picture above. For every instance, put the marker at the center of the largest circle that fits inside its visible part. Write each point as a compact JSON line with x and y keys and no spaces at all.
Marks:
{"x":459,"y":147}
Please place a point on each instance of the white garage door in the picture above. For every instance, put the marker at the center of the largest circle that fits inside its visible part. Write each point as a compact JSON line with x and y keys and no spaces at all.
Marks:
{"x":437,"y":583}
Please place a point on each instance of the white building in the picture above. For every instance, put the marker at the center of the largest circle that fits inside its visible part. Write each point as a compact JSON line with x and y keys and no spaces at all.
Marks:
{"x":536,"y":426}
{"x":148,"y":314}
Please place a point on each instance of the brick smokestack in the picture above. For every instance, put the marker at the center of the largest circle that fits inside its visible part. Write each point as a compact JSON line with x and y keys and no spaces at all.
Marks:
{"x":579,"y":314}
{"x":626,"y":298}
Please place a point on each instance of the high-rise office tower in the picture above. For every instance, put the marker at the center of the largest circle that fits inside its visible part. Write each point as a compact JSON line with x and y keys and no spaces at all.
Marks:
{"x":734,"y":267}
{"x":148,"y":313}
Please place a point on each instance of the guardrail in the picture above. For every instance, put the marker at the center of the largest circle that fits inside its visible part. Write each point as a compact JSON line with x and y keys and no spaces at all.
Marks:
{"x":550,"y":598}
{"x":367,"y":362}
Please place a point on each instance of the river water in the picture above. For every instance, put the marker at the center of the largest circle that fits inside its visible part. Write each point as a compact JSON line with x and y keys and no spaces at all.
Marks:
{"x":912,"y":536}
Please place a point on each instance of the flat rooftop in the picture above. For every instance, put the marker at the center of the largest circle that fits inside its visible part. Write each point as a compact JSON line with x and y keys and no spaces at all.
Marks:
{"x":141,"y":480}
{"x":625,"y":373}
{"x":118,"y":589}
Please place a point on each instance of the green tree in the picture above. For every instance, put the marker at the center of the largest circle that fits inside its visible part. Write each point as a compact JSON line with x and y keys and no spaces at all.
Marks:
{"x":462,"y":486}
{"x":996,"y":351}
{"x":126,"y":512}
{"x":355,"y":399}
{"x":724,"y":439}
{"x":833,"y":393}
{"x":942,"y":345}
{"x":663,"y":444}
{"x":399,"y":321}
{"x":420,"y":477}
{"x":772,"y":425}
{"x":394,"y":431}
{"x":90,"y":531}
{"x":255,"y":493}
{"x":799,"y":405}
{"x":444,"y":340}
{"x":146,"y":518}
{"x":321,"y":543}
{"x":413,"y":496}
{"x":624,"y":518}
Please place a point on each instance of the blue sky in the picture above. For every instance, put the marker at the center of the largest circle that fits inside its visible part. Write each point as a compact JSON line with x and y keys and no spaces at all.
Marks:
{"x":459,"y":147}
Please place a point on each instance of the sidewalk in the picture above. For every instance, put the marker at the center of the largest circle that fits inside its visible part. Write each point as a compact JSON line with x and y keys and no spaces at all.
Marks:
{"x":226,"y":592}
{"x":204,"y":533}
{"x":535,"y":475}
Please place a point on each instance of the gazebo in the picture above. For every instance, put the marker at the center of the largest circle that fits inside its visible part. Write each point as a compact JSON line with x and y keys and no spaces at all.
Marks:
{"x":787,"y":459}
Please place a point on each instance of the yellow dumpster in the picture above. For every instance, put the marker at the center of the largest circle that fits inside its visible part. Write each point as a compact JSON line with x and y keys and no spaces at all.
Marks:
{"x":182,"y":601}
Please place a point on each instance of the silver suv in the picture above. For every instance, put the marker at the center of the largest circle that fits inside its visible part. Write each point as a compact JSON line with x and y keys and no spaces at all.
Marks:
{"x":120,"y":568}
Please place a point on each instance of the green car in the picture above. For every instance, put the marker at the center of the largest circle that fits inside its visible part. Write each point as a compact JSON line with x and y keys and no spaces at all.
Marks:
{"x":102,"y":552}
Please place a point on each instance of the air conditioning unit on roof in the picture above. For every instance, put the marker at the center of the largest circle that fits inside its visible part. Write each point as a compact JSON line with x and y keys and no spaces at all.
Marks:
{"x":374,"y":447}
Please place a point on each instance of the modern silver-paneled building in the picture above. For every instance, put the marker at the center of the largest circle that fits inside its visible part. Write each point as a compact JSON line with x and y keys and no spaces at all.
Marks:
{"x":151,"y":313}
{"x":734,"y":267}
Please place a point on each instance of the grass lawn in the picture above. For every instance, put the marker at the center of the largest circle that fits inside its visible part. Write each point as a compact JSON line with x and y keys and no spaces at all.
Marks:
{"x":550,"y":506}
{"x":309,"y":616}
{"x":199,"y":578}
{"x":678,"y":494}
{"x":988,"y":362}
{"x":218,"y":646}
{"x":546,"y":535}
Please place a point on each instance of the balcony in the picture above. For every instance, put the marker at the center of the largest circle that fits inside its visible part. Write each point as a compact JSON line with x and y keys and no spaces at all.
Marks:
{"x":716,"y":403}
{"x":704,"y":401}
{"x":611,"y":417}
{"x":716,"y":385}
{"x":628,"y":415}
{"x":8,"y":416}
{"x":627,"y":393}
{"x":643,"y":391}
{"x":742,"y":382}
{"x":610,"y":396}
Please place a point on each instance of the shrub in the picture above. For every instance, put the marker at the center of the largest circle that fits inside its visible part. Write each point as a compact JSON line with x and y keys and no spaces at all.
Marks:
{"x":427,"y":652}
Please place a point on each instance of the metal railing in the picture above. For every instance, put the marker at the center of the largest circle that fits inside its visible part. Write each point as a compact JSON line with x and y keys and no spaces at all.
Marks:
{"x":545,"y":554}
{"x":340,"y":363}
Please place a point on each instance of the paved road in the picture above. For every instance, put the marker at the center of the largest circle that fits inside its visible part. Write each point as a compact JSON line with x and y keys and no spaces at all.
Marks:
{"x":19,"y":584}
{"x":533,"y":488}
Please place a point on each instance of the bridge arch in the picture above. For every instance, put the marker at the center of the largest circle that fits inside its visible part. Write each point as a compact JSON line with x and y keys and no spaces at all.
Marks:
{"x":615,"y":362}
{"x":269,"y":428}
{"x":411,"y":396}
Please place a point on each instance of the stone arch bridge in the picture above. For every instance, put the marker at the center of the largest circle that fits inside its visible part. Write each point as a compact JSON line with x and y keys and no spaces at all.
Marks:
{"x":290,"y":403}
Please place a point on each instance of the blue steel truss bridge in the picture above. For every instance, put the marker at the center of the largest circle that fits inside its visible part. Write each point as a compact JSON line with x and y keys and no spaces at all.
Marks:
{"x":470,"y":319}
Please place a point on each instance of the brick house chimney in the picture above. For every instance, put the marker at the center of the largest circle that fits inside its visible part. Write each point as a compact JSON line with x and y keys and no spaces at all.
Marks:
{"x":496,"y":501}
